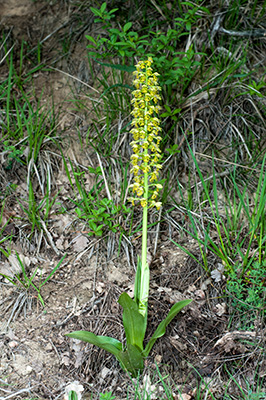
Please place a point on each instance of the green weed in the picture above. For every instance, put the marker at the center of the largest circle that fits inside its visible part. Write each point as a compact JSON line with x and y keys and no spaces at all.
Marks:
{"x":37,"y":212}
{"x":27,"y":127}
{"x":176,"y":68}
{"x":240,"y":241}
{"x":247,"y":293}
{"x":3,"y":238}
{"x":246,"y":390}
{"x":100,"y":213}
{"x":106,"y":396}
{"x":72,"y":395}
{"x":25,"y":282}
{"x":231,"y":233}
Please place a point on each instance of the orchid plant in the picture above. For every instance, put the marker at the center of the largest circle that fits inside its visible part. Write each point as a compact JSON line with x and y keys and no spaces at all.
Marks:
{"x":145,"y":169}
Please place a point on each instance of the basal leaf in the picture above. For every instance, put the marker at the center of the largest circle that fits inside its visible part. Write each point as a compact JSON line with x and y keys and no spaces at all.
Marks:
{"x":134,"y":323}
{"x":132,"y":360}
{"x":104,"y":342}
{"x":160,"y":331}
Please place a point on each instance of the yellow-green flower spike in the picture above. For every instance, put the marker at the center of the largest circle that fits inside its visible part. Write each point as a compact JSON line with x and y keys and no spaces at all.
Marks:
{"x":146,"y":129}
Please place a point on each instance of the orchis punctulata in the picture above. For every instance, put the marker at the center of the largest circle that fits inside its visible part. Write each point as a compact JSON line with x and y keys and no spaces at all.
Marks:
{"x":145,"y":167}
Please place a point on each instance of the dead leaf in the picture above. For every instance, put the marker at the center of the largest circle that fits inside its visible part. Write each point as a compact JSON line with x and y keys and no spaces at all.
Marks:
{"x":59,"y":244}
{"x":100,"y":287}
{"x":220,"y":309}
{"x":184,"y":396}
{"x":217,"y":274}
{"x":205,"y":284}
{"x":80,"y":243}
{"x":65,"y":359}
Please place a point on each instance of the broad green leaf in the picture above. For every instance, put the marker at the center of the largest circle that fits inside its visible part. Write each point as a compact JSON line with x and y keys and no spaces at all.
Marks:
{"x":95,"y":11}
{"x":127,"y":26}
{"x":113,"y":10}
{"x":114,"y":30}
{"x":104,"y":342}
{"x":92,"y":225}
{"x":160,"y":331}
{"x":103,"y":7}
{"x":134,"y":323}
{"x":91,"y":39}
{"x":132,"y":360}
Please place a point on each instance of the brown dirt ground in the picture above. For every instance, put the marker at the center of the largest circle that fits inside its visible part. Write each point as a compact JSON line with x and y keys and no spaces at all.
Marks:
{"x":37,"y":360}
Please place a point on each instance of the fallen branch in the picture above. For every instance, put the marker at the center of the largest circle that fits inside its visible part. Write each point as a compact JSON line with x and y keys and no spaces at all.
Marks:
{"x":255,"y":33}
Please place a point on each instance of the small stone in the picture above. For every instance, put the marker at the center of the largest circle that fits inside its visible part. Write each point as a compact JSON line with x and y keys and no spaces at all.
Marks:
{"x":200,"y":294}
{"x":104,"y":372}
{"x":13,"y":344}
{"x":29,"y":369}
{"x":48,"y":347}
{"x":158,"y":358}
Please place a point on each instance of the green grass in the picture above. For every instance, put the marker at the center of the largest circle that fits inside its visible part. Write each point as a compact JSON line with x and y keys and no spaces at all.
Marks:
{"x":232,"y":227}
{"x":24,"y":282}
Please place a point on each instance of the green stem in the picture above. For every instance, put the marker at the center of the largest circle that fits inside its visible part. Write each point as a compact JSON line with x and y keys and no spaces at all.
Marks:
{"x":145,"y":272}
{"x":145,"y":268}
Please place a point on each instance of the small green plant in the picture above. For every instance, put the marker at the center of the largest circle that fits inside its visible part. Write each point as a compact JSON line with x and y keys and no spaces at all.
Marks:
{"x":246,"y":390}
{"x":248,"y":292}
{"x":72,"y":395}
{"x":100,"y":213}
{"x":27,"y":126}
{"x":145,"y":168}
{"x":255,"y":89}
{"x":18,"y":110}
{"x":240,"y":241}
{"x":37,"y":212}
{"x":234,"y":241}
{"x":123,"y":42}
{"x":25,"y":282}
{"x":3,"y":238}
{"x":13,"y":154}
{"x":101,"y":216}
{"x":106,"y":396}
{"x":5,"y":252}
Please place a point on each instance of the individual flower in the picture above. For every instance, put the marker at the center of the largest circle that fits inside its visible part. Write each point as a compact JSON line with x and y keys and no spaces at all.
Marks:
{"x":134,"y":159}
{"x":143,"y":202}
